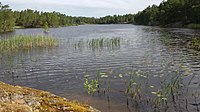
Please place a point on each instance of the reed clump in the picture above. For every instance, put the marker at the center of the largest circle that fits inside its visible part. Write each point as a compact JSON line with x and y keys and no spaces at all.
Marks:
{"x":26,"y":42}
{"x":194,"y":44}
{"x":102,"y":42}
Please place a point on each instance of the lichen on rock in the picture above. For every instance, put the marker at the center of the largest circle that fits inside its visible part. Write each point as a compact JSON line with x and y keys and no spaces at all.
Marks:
{"x":23,"y":99}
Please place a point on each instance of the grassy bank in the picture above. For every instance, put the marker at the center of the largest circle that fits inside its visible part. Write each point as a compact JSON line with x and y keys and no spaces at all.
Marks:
{"x":26,"y":42}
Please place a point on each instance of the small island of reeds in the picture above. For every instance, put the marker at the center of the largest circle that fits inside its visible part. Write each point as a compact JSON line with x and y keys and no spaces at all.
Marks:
{"x":26,"y":42}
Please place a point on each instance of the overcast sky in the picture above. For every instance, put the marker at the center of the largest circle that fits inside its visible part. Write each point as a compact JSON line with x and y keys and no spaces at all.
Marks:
{"x":89,"y":8}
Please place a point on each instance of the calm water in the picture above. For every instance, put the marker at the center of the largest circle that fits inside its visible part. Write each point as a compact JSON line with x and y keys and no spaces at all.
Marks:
{"x":148,"y":60}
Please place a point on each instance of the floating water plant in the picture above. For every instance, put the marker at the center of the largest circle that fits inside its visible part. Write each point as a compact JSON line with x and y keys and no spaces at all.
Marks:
{"x":91,"y":86}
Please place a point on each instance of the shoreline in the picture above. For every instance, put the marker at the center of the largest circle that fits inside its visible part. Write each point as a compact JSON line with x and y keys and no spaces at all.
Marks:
{"x":24,"y":99}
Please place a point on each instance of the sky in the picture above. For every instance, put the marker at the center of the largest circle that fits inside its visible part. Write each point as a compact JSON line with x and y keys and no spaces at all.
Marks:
{"x":87,"y":8}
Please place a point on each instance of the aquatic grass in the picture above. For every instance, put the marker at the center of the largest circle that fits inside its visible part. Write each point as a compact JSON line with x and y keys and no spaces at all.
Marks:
{"x":156,"y":88}
{"x":26,"y":42}
{"x":104,"y":42}
{"x":194,"y":44}
{"x":99,"y":43}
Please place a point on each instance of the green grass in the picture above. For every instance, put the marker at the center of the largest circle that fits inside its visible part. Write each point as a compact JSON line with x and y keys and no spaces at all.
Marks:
{"x":26,"y":42}
{"x":193,"y":26}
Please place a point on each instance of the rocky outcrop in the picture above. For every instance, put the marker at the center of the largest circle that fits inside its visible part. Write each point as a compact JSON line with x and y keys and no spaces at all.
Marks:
{"x":23,"y":99}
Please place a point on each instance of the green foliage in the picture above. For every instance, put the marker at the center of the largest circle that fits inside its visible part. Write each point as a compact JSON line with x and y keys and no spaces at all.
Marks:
{"x":7,"y":21}
{"x":91,"y":87}
{"x":34,"y":19}
{"x":116,"y":19}
{"x":148,"y":17}
{"x":175,"y":13}
{"x":29,"y":18}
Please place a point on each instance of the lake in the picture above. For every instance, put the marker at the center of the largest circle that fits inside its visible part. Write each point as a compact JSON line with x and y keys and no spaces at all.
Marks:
{"x":148,"y":69}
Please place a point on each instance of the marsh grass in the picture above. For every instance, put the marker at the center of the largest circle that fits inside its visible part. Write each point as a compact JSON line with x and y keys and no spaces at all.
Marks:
{"x":194,"y":44}
{"x":99,"y":43}
{"x":104,"y":42}
{"x":26,"y":42}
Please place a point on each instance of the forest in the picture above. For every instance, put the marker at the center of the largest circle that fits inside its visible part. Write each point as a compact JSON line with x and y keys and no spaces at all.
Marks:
{"x":170,"y":13}
{"x":36,"y":19}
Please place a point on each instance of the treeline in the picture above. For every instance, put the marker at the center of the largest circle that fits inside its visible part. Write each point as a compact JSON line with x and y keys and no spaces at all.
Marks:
{"x":35,"y":19}
{"x":32,"y":19}
{"x":7,"y":21}
{"x":177,"y":13}
{"x":116,"y":19}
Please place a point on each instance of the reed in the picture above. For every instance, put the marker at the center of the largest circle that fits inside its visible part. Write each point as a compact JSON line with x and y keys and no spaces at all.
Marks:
{"x":194,"y":44}
{"x":104,"y":42}
{"x":26,"y":42}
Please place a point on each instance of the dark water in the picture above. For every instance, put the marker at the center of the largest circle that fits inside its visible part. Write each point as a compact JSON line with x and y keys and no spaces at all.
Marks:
{"x":148,"y":60}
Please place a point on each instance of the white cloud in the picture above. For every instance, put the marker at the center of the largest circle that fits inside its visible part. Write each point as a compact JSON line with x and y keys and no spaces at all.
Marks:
{"x":83,"y":7}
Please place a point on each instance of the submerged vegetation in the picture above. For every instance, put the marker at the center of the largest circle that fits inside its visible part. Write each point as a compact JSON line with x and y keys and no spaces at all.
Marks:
{"x":162,"y":88}
{"x":26,"y":42}
{"x":158,"y":89}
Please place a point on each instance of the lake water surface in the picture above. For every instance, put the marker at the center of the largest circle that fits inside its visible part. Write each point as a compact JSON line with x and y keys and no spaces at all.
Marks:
{"x":150,"y":69}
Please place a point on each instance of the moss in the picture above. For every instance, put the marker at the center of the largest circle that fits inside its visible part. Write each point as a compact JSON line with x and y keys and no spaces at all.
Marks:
{"x":32,"y":100}
{"x":9,"y":107}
